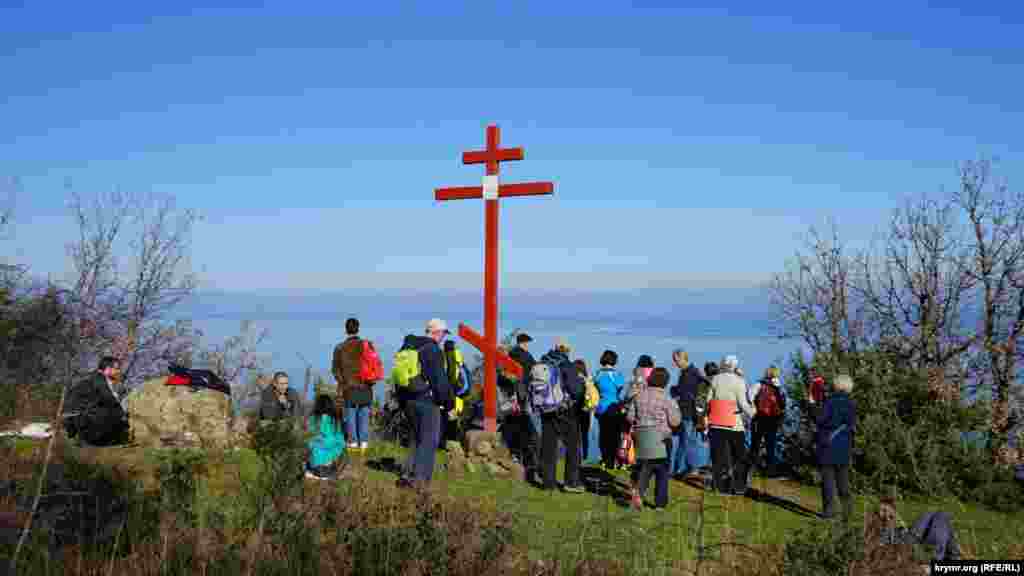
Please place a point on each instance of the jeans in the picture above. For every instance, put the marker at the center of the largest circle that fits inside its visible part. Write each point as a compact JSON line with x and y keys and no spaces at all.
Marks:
{"x":426,"y":423}
{"x":689,"y":450}
{"x":660,"y":468}
{"x":357,"y":423}
{"x":833,"y":477}
{"x":561,"y":425}
{"x":935,"y":529}
{"x":728,"y":457}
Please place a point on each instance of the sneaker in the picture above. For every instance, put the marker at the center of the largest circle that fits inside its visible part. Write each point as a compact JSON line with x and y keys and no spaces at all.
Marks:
{"x":577,"y":489}
{"x":311,"y":476}
{"x":353,"y":446}
{"x":405,"y":483}
{"x":636,"y":502}
{"x":364,"y":445}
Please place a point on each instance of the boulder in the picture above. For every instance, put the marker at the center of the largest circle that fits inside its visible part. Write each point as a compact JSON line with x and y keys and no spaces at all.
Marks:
{"x":159,"y":414}
{"x":454,"y":449}
{"x":481,"y":443}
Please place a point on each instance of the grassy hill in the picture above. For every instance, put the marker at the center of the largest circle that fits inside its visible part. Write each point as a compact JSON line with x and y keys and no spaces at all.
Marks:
{"x":526,"y":530}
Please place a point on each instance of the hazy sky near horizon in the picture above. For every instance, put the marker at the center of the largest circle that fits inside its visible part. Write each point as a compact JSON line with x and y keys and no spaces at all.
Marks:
{"x":688,"y":146}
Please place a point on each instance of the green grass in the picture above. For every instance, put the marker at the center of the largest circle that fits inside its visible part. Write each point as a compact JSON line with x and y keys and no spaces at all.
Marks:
{"x":596,"y":525}
{"x":576,"y":527}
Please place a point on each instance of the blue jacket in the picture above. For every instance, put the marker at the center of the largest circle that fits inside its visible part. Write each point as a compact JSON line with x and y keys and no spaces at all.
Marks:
{"x":329,"y":444}
{"x":609,"y":384}
{"x":432,"y":369}
{"x":836,"y":427}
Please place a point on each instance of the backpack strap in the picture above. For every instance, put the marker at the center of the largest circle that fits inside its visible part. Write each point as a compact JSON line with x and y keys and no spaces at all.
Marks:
{"x":832,"y":436}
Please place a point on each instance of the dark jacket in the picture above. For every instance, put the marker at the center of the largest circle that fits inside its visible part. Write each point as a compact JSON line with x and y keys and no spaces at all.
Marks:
{"x":836,"y":427}
{"x":685,"y":391}
{"x":571,"y":381}
{"x":433,"y":372}
{"x":345,"y":366}
{"x":91,"y":400}
{"x":271,"y":409}
{"x":526,"y":362}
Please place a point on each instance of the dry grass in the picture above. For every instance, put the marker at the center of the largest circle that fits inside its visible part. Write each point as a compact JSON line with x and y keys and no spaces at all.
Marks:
{"x":466,"y":525}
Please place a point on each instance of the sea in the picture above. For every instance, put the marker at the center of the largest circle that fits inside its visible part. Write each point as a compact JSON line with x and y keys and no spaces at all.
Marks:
{"x":302,"y":330}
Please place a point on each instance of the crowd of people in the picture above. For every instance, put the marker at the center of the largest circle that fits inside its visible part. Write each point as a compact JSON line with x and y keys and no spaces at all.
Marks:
{"x":710,"y":424}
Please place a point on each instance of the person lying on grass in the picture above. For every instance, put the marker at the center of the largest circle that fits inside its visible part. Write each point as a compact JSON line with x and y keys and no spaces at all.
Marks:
{"x":933,"y":529}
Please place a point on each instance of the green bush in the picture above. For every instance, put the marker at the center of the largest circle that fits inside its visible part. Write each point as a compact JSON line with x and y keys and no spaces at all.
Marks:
{"x":904,"y":438}
{"x":178,"y":471}
{"x":822,"y":550}
{"x":1005,"y":496}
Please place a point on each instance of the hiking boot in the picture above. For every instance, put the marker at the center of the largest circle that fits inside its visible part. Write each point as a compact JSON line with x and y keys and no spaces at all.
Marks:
{"x":575,"y":489}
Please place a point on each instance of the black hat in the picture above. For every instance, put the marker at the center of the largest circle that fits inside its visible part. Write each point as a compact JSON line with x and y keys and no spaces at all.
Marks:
{"x":524,"y":337}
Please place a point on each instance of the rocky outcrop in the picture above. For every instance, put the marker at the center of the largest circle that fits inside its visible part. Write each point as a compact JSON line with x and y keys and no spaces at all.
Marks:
{"x":483,"y":451}
{"x":162,"y":415}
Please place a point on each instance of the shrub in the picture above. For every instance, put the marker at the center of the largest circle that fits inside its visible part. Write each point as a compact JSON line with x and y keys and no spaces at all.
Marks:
{"x":904,"y":438}
{"x":178,"y":472}
{"x":822,"y":550}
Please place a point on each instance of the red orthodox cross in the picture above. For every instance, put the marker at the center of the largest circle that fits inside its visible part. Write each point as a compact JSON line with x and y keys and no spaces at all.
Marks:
{"x":490,"y":191}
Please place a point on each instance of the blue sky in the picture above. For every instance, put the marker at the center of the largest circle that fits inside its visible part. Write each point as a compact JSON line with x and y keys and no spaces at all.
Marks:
{"x":688,"y":146}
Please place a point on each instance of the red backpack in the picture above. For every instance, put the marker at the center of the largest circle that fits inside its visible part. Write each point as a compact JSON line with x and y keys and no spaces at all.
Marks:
{"x":371,"y":369}
{"x":767,"y":401}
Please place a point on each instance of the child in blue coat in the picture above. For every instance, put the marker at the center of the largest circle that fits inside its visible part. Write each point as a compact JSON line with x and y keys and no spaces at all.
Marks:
{"x":328,"y":447}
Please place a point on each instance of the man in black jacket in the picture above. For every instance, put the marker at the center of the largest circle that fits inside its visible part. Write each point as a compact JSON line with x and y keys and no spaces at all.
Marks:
{"x":562,"y":423}
{"x":92,"y":410}
{"x":528,"y":423}
{"x":685,"y":393}
{"x":279,"y":401}
{"x":426,"y":396}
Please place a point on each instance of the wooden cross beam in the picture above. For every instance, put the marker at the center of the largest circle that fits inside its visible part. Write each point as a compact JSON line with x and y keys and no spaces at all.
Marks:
{"x":490,"y":190}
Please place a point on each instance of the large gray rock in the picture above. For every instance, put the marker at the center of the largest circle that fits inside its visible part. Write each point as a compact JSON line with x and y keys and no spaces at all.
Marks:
{"x":481,"y":443}
{"x":159,"y":414}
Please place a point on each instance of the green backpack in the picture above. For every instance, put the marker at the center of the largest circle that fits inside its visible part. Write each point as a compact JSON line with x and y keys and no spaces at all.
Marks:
{"x":406,"y":367}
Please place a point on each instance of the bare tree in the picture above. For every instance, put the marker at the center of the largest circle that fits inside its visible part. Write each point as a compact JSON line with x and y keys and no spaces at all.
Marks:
{"x":10,"y":273}
{"x":916,"y":290}
{"x":125,"y":312}
{"x":813,"y":297}
{"x":236,"y":357}
{"x":996,"y":219}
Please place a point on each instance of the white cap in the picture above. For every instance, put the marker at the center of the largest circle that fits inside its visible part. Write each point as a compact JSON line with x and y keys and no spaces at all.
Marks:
{"x":436,"y":325}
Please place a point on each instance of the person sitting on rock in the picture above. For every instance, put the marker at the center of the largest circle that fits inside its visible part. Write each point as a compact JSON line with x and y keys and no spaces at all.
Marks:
{"x":279,"y":402}
{"x":93,"y":411}
{"x":327,"y":448}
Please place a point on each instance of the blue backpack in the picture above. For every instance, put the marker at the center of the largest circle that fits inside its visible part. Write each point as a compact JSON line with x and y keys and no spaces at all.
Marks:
{"x":546,"y":393}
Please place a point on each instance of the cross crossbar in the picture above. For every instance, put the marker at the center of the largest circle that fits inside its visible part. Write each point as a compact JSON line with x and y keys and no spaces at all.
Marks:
{"x":504,"y":191}
{"x":478,"y":342}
